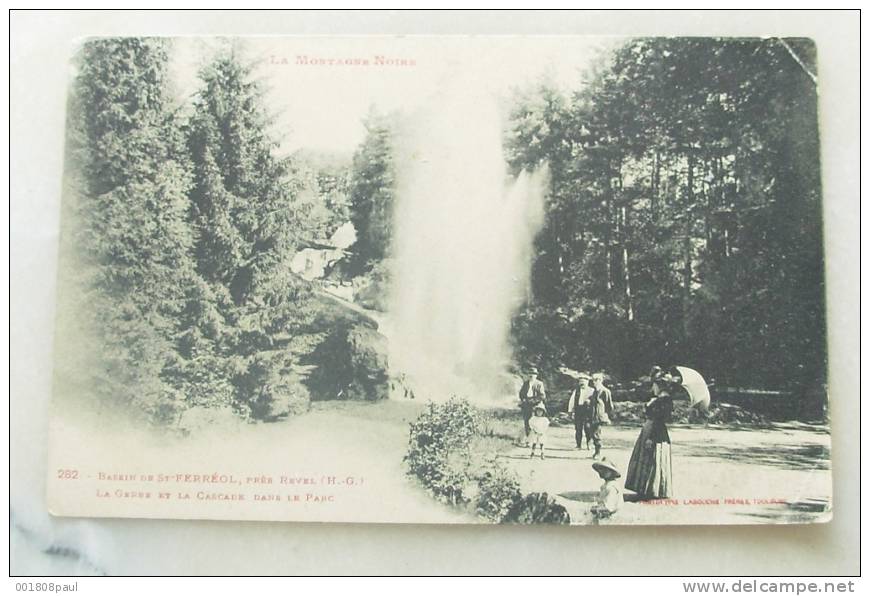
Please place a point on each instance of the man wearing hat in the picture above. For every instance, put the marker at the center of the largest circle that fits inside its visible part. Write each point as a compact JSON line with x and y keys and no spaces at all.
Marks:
{"x":600,"y":407}
{"x":578,"y":405}
{"x":531,"y":393}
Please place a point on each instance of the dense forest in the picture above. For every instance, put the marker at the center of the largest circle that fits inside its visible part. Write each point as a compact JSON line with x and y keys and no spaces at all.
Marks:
{"x":683,"y":223}
{"x":184,"y":218}
{"x":684,"y":214}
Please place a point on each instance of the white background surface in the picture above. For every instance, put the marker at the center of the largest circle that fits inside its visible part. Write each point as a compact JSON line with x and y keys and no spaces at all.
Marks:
{"x":40,"y":44}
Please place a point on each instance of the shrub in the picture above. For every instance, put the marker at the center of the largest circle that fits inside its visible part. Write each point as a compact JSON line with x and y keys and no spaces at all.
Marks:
{"x":368,"y":360}
{"x":439,"y":449}
{"x":371,"y":289}
{"x":498,"y":492}
{"x":537,"y":508}
{"x":351,"y":364}
{"x":198,"y":419}
{"x":453,"y":451}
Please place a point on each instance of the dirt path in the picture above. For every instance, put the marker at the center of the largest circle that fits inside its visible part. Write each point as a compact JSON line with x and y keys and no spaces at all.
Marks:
{"x":342,"y":461}
{"x":367,"y":440}
{"x":776,"y":475}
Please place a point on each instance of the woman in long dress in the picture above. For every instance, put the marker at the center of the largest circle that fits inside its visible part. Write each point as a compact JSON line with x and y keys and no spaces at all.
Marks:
{"x":649,"y":470}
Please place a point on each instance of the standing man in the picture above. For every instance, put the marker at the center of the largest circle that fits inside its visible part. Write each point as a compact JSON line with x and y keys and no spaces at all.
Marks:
{"x":531,"y":393}
{"x":578,"y":404}
{"x":600,"y":408}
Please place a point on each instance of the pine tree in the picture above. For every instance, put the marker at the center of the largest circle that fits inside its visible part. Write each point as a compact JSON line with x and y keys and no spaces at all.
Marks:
{"x":248,"y":225}
{"x":131,"y":239}
{"x":694,"y":172}
{"x":372,"y":189}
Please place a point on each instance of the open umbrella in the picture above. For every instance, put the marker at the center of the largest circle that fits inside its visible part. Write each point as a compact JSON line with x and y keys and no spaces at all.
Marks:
{"x":569,"y":372}
{"x":695,"y":386}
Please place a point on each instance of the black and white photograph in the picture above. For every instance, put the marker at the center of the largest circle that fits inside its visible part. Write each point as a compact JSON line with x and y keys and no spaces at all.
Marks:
{"x":557,"y":280}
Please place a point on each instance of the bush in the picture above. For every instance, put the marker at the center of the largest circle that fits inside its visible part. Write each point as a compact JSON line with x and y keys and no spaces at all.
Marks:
{"x":439,"y":449}
{"x":289,"y":397}
{"x":452,"y":450}
{"x":631,"y":413}
{"x":369,"y":364}
{"x":371,"y":289}
{"x":537,"y":508}
{"x":198,"y":419}
{"x":498,"y":492}
{"x":351,"y":364}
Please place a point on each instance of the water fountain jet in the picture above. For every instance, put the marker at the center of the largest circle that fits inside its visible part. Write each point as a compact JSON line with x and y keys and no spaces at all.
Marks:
{"x":462,"y":248}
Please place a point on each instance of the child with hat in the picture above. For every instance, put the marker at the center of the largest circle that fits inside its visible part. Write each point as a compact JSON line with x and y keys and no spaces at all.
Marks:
{"x":610,"y":496}
{"x":538,"y":425}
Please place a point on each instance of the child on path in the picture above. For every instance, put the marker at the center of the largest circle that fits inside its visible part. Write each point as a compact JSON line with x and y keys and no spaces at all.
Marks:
{"x":610,"y":496}
{"x":531,"y":392}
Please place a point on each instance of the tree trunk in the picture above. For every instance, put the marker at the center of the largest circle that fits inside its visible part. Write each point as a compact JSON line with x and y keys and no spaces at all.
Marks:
{"x":708,"y":197}
{"x":608,"y":239}
{"x":655,"y":183}
{"x":629,"y":307}
{"x":687,"y":244}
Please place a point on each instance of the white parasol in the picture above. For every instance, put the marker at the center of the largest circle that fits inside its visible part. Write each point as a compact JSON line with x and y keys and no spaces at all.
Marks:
{"x":695,"y":386}
{"x":569,"y":372}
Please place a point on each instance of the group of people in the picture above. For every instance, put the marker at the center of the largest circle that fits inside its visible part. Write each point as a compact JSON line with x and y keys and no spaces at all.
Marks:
{"x":591,"y":405}
{"x":649,"y":473}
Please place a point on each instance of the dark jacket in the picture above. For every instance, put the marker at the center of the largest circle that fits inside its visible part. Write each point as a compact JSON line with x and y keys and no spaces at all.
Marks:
{"x":600,"y":406}
{"x":532,"y":392}
{"x":659,"y":410}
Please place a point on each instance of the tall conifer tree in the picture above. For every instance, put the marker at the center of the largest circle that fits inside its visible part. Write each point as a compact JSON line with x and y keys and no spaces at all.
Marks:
{"x":132,"y":240}
{"x":248,"y":227}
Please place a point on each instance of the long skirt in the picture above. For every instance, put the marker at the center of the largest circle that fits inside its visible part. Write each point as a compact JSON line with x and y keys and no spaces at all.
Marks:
{"x":649,"y":469}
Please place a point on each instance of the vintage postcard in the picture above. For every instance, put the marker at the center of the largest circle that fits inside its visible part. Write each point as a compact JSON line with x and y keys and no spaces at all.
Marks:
{"x":515,"y":279}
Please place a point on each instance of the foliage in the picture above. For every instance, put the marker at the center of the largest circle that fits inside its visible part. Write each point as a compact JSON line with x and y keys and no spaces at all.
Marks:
{"x":371,"y":289}
{"x":351,"y":364}
{"x":684,"y":214}
{"x":683,"y":224}
{"x":323,"y":198}
{"x":183,"y":230}
{"x":372,"y":190}
{"x":451,"y":452}
{"x":498,"y":492}
{"x":248,"y":223}
{"x":131,"y":239}
{"x":439,"y":449}
{"x":540,"y":134}
{"x":537,"y":508}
